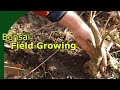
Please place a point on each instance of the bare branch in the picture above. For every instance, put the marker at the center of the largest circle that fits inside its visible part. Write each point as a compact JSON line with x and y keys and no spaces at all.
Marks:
{"x":108,"y":20}
{"x":94,"y":29}
{"x":105,"y":37}
{"x":14,"y":68}
{"x":41,"y":64}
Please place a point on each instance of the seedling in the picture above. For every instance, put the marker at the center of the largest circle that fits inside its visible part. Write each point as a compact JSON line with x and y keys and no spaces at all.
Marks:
{"x":93,"y":66}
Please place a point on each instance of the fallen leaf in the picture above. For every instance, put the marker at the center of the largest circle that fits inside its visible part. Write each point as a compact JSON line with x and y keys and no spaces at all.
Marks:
{"x":7,"y":45}
{"x":12,"y":70}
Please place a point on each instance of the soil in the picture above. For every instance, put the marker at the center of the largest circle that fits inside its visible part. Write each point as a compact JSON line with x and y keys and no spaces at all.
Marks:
{"x":65,"y":64}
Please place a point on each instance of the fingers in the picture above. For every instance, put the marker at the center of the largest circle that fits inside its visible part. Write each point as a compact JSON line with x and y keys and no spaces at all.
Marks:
{"x":102,"y":70}
{"x":104,"y":57}
{"x":84,"y":46}
{"x":103,"y":65}
{"x":104,"y":61}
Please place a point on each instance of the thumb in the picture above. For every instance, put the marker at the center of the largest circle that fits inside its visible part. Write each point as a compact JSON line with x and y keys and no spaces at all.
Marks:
{"x":104,"y":58}
{"x":103,"y":65}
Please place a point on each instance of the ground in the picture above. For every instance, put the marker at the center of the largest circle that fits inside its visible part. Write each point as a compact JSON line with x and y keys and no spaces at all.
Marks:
{"x":59,"y":64}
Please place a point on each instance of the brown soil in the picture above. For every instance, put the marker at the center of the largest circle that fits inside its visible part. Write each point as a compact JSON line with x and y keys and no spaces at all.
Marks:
{"x":65,"y":64}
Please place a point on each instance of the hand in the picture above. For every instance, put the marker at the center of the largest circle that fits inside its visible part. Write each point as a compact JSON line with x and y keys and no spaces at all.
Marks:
{"x":82,"y":33}
{"x":103,"y":65}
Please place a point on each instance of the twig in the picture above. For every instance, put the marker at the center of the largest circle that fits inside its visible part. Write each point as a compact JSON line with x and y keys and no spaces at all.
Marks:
{"x":81,"y":14}
{"x":15,"y":68}
{"x":51,"y":75}
{"x":109,"y":46}
{"x":115,"y":52}
{"x":108,"y":21}
{"x":98,"y":13}
{"x":94,"y":29}
{"x":43,"y":28}
{"x":41,"y":64}
{"x":105,"y":29}
{"x":94,"y":15}
{"x":105,"y":37}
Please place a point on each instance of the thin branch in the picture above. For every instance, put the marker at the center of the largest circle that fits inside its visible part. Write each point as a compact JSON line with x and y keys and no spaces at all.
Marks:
{"x":105,"y":37}
{"x":108,"y":21}
{"x":43,"y":28}
{"x":109,"y":46}
{"x":51,"y":75}
{"x":14,"y":68}
{"x":98,"y":13}
{"x":41,"y":64}
{"x":115,"y":52}
{"x":94,"y":29}
{"x":94,"y":15}
{"x":82,"y":13}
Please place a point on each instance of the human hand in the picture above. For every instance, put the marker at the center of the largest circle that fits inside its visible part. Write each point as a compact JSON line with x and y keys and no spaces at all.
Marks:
{"x":103,"y":65}
{"x":82,"y":33}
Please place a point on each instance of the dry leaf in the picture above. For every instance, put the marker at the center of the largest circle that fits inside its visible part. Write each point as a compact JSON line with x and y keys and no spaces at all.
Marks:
{"x":12,"y":70}
{"x":7,"y":45}
{"x":27,"y":27}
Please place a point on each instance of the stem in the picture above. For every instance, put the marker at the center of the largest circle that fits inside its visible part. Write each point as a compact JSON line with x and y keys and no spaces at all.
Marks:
{"x":105,"y":37}
{"x":41,"y":64}
{"x":108,"y":21}
{"x":91,"y":46}
{"x":94,"y":29}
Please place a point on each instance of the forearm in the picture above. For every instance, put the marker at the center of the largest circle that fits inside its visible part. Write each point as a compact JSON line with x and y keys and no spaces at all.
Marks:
{"x":80,"y":30}
{"x":72,"y":21}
